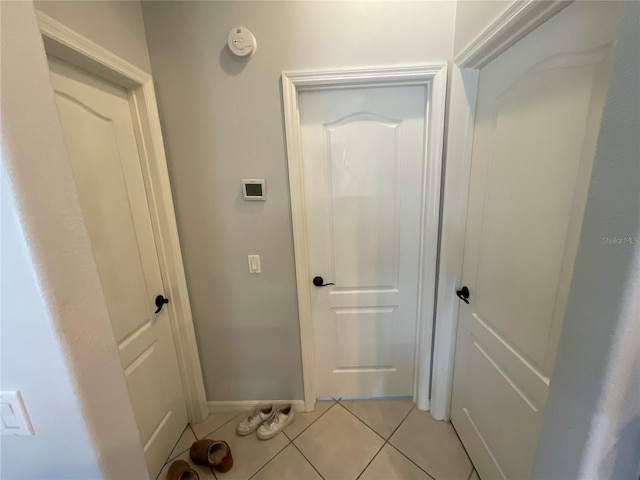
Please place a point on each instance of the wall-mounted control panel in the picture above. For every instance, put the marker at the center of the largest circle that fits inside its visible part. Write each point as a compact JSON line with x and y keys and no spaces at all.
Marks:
{"x":254,"y":189}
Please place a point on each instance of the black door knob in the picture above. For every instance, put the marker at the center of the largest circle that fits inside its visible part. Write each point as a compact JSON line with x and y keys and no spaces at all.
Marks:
{"x":160,"y":301}
{"x":463,"y":294}
{"x":319,"y":282}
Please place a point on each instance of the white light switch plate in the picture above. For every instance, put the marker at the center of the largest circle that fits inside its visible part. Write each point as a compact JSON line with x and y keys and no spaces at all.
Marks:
{"x":254,"y":264}
{"x":15,"y":419}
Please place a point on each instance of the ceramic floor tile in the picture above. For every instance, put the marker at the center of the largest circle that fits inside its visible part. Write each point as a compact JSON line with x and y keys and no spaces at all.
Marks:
{"x":289,"y":464}
{"x":339,"y":445}
{"x":249,"y":453}
{"x":203,"y":472}
{"x":303,"y":419}
{"x":433,"y":445}
{"x":390,"y":464}
{"x":184,"y":443}
{"x":474,"y":476}
{"x":213,"y":421}
{"x":382,"y":415}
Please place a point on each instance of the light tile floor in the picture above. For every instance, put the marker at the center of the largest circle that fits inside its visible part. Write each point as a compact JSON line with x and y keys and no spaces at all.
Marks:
{"x":340,"y":440}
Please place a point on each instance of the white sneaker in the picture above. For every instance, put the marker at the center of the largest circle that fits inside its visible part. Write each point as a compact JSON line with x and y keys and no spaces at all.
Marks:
{"x":278,"y":421}
{"x":253,"y":421}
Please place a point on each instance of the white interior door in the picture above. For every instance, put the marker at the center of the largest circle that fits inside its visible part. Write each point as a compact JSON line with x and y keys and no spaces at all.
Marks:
{"x":363,"y":151}
{"x":537,"y":121}
{"x":101,"y":141}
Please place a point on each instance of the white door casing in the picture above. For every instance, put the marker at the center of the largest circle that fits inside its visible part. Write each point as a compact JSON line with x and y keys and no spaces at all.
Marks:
{"x":362,"y":154}
{"x":536,"y":126}
{"x":99,"y":133}
{"x":432,"y":81}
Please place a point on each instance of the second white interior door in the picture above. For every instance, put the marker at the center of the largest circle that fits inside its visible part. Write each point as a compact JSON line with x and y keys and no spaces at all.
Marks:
{"x":100,"y":137}
{"x":536,"y":127}
{"x":363,"y":151}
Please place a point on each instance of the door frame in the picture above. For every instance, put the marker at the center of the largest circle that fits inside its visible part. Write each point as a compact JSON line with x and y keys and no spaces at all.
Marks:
{"x":433,"y":77}
{"x":515,"y":22}
{"x":65,"y":44}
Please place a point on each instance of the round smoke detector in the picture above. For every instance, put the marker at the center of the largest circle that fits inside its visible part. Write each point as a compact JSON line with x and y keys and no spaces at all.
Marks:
{"x":242,"y":42}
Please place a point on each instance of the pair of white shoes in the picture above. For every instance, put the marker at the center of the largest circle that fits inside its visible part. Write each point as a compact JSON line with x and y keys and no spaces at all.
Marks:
{"x":267,"y":422}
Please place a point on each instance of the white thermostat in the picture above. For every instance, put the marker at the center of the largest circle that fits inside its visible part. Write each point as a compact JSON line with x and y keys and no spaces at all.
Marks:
{"x":242,"y":42}
{"x":254,"y":189}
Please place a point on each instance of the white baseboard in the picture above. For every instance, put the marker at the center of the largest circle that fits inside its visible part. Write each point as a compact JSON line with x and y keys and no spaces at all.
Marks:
{"x":245,"y":405}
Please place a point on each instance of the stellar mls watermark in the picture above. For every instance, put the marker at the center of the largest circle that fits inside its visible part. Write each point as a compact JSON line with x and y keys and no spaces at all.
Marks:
{"x":615,"y":240}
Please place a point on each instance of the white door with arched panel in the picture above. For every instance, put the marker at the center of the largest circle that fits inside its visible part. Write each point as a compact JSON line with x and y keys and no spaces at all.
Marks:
{"x":363,"y":159}
{"x":537,"y":121}
{"x":99,"y":133}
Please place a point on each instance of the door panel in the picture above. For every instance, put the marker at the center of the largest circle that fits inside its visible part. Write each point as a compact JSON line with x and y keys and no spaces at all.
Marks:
{"x":363,"y":152}
{"x":537,"y":121}
{"x":101,"y":185}
{"x":102,"y":146}
{"x":364,"y":200}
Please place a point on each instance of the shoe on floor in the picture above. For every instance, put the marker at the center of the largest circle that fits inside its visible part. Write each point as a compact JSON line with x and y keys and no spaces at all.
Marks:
{"x":278,"y":421}
{"x":181,"y":470}
{"x":253,"y":421}
{"x":215,"y":454}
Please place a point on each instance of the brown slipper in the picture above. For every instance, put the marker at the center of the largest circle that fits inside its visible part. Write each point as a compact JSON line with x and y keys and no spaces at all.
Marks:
{"x":181,"y":470}
{"x":212,"y":453}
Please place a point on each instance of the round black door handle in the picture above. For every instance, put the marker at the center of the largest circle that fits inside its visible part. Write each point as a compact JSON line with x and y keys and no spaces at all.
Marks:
{"x":463,"y":294}
{"x":160,"y":301}
{"x":319,"y":282}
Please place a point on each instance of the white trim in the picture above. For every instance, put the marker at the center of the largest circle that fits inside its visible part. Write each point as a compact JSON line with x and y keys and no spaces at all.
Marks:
{"x":520,"y":18}
{"x":247,"y":405}
{"x":464,"y":87}
{"x":433,"y":78}
{"x":66,"y":44}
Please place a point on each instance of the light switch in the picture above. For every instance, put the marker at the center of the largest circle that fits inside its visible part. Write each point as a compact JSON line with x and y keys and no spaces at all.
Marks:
{"x":15,"y":420}
{"x":9,"y":419}
{"x":254,"y":264}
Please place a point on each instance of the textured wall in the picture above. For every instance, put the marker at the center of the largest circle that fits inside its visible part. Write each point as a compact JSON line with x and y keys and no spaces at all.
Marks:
{"x":222,"y":121}
{"x":57,"y":342}
{"x":592,"y":419}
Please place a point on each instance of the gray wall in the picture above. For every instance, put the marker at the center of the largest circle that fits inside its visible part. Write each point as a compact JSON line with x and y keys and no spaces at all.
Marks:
{"x":592,"y":420}
{"x":114,"y":25}
{"x":222,"y":121}
{"x":473,"y":16}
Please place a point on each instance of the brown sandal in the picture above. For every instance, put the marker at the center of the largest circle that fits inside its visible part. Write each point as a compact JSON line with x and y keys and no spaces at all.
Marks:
{"x":215,"y":454}
{"x":181,"y":470}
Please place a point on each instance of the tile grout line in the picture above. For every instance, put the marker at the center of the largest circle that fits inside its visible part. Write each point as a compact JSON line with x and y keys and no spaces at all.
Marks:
{"x":171,"y":457}
{"x":309,"y":461}
{"x":290,"y":442}
{"x":361,"y":421}
{"x":372,"y":459}
{"x":473,"y":467}
{"x":470,"y":473}
{"x":271,"y":458}
{"x":189,"y":447}
{"x":405,"y":456}
{"x":307,"y":427}
{"x":218,"y":427}
{"x":402,"y":421}
{"x":387,"y":442}
{"x":400,"y":451}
